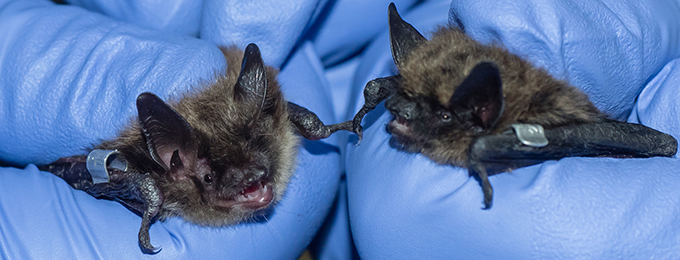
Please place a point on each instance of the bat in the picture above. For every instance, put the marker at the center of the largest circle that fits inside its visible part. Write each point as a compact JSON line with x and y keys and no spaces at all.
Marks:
{"x":466,"y":104}
{"x":215,"y":157}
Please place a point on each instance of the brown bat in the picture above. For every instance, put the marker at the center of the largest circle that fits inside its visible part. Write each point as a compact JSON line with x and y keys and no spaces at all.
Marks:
{"x":466,"y":104}
{"x":216,"y":156}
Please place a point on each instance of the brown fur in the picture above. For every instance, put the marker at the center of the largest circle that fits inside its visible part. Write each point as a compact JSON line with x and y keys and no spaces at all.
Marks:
{"x":434,"y":69}
{"x":225,"y":145}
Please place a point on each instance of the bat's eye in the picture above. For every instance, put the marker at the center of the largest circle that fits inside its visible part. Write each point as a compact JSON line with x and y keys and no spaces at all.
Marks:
{"x":445,"y":116}
{"x":208,"y":178}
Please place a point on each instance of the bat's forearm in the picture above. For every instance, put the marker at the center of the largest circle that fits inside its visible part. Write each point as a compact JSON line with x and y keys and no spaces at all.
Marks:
{"x":72,"y":169}
{"x":309,"y":126}
{"x":495,"y":153}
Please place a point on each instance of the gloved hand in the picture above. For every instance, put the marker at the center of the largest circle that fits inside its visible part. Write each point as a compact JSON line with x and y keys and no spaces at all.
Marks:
{"x":407,"y":207}
{"x":69,"y":79}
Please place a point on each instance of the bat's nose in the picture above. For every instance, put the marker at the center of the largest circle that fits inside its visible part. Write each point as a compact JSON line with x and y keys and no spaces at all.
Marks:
{"x":256,"y":174}
{"x":402,"y":108}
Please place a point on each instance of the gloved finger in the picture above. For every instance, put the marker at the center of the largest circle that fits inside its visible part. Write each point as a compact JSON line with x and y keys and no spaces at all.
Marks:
{"x":350,"y":25}
{"x":275,"y":26}
{"x":657,"y":105}
{"x":69,"y":78}
{"x":334,"y":239}
{"x":178,"y":16}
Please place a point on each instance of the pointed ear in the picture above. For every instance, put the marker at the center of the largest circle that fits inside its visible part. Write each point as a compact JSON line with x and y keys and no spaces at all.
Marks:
{"x":403,"y":36}
{"x":169,"y":137}
{"x":482,"y":94}
{"x":251,"y":85}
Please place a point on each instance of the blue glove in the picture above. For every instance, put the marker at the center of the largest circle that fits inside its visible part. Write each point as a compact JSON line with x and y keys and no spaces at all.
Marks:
{"x":657,"y":106}
{"x":69,"y":79}
{"x":349,"y":26}
{"x":180,"y":16}
{"x":404,"y":206}
{"x":276,"y":26}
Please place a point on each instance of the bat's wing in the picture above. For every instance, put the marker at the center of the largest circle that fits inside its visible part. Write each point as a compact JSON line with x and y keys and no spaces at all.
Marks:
{"x":495,"y":153}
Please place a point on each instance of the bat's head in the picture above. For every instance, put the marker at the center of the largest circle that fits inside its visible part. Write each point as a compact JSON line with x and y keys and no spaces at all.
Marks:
{"x":440,"y":104}
{"x":226,"y":152}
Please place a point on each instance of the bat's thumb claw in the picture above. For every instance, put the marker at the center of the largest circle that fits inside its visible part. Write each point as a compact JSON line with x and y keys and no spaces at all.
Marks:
{"x":149,"y":249}
{"x":487,"y":204}
{"x":145,"y":241}
{"x":360,"y":134}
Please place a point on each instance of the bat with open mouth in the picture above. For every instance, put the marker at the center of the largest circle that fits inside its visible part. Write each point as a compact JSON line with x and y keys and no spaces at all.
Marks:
{"x":467,"y":104}
{"x":216,"y":156}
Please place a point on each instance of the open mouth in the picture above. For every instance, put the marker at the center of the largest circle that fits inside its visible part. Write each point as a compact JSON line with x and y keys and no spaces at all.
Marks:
{"x":402,"y":133}
{"x":254,"y":197}
{"x":399,"y":127}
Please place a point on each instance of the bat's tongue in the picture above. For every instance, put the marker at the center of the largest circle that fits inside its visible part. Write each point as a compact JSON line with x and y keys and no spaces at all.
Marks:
{"x":254,"y":189}
{"x":256,"y":196}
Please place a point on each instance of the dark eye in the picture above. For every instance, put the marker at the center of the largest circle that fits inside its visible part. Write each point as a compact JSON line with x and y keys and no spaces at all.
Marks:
{"x":208,"y":178}
{"x":445,"y":116}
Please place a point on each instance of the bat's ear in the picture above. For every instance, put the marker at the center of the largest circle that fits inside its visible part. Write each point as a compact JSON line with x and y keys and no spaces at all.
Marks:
{"x":403,"y":36}
{"x":251,"y":85}
{"x":481,"y":93}
{"x":169,"y":137}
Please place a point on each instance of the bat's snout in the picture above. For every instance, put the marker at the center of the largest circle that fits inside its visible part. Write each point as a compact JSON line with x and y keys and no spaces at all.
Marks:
{"x":401,"y":108}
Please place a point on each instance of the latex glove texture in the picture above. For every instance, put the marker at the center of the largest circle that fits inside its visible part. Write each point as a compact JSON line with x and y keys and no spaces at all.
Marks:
{"x":69,"y":80}
{"x":180,"y":16}
{"x":404,"y":206}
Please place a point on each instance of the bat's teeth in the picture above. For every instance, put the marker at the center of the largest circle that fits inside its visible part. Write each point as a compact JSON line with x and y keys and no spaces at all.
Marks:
{"x":255,"y":197}
{"x":252,"y":192}
{"x":252,"y":195}
{"x":241,"y":198}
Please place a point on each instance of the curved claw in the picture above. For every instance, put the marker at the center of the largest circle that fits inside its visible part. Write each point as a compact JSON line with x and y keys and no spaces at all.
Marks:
{"x":145,"y":243}
{"x":476,"y":168}
{"x":487,"y":204}
{"x":360,"y":134}
{"x":356,"y":127}
{"x":153,"y":199}
{"x":488,"y":193}
{"x":143,"y":235}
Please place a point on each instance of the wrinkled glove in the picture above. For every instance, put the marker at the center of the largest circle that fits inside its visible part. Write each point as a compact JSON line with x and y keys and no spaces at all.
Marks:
{"x":404,"y":206}
{"x":69,"y":79}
